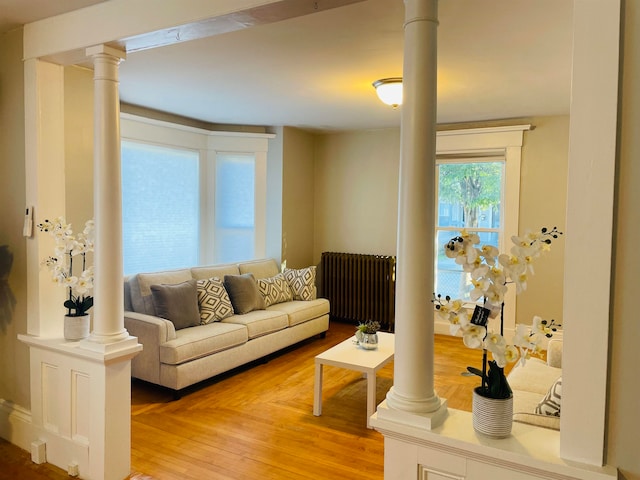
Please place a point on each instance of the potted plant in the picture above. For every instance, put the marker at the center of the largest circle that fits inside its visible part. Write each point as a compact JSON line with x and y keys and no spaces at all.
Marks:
{"x":69,"y":251}
{"x":490,"y":274}
{"x":367,"y":334}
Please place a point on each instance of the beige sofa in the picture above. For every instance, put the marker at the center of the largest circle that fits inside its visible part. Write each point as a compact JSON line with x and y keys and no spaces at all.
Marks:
{"x":532,"y":383}
{"x":177,"y":357}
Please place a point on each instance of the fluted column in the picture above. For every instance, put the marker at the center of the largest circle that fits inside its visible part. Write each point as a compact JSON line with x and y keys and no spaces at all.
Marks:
{"x":108,"y":310}
{"x":413,"y":389}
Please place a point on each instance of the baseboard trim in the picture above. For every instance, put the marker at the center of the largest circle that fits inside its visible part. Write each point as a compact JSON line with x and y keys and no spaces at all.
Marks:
{"x":16,"y":425}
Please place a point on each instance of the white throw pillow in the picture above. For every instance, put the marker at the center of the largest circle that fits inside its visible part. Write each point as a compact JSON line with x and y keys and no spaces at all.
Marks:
{"x":550,"y":404}
{"x":213,"y":301}
{"x":302,"y":282}
{"x":274,"y":289}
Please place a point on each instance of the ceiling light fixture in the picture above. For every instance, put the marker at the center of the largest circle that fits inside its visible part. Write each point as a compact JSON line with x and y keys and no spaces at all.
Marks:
{"x":389,"y":90}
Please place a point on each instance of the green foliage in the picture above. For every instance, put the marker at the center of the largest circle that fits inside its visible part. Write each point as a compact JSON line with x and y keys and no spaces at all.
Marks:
{"x":370,"y":326}
{"x":473,"y":185}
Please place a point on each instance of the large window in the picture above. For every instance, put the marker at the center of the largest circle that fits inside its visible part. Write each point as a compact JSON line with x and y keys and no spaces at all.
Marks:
{"x":190,"y":196}
{"x":160,"y":207}
{"x":235,"y":207}
{"x":478,"y":188}
{"x":470,"y":195}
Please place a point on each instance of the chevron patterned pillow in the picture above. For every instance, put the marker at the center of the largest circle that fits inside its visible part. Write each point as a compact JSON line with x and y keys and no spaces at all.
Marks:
{"x":274,"y":289}
{"x":213,"y":300}
{"x":302,"y":282}
{"x":550,"y":404}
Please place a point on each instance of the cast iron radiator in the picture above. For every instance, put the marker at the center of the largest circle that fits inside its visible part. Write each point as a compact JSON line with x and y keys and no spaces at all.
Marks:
{"x":360,"y":287}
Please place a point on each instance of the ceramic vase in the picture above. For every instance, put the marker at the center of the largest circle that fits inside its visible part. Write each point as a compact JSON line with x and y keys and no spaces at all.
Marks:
{"x":492,"y":417}
{"x":76,"y":327}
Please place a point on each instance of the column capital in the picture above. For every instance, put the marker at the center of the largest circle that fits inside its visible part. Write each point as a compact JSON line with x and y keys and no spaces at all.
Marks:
{"x":103,"y":49}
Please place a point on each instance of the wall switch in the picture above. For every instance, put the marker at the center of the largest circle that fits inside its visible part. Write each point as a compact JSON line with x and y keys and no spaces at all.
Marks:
{"x":27,"y":229}
{"x":38,"y":452}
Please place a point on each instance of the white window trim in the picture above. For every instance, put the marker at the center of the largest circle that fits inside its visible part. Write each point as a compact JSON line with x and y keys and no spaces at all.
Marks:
{"x":505,"y":142}
{"x":208,"y":144}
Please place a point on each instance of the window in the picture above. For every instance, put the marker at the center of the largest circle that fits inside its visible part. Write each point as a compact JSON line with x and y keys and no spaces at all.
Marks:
{"x":190,"y":196}
{"x":160,"y":207}
{"x":469,"y":193}
{"x":235,"y":212}
{"x":486,"y":156}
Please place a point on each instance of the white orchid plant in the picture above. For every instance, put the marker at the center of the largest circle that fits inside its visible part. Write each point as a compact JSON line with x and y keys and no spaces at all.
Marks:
{"x":490,"y":274}
{"x":61,"y":264}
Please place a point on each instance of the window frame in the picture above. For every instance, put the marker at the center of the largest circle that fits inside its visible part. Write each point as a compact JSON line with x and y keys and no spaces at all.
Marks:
{"x":208,"y":144}
{"x":503,"y":142}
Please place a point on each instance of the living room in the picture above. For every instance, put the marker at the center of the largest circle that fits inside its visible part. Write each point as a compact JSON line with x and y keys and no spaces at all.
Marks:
{"x":324,"y":160}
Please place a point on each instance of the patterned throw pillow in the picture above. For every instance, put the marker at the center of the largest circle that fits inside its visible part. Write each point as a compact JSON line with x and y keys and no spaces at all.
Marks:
{"x":213,"y":301}
{"x":302,"y":282}
{"x":275,"y":290}
{"x":550,"y":404}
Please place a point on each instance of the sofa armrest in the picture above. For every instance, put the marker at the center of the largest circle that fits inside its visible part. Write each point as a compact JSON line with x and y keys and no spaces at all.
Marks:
{"x":151,"y":332}
{"x":554,"y":353}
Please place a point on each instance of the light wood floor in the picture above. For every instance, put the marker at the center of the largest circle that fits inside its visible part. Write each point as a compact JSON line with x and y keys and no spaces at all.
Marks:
{"x":257,"y":422}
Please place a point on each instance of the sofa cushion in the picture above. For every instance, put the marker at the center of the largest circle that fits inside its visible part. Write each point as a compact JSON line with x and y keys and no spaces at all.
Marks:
{"x":140,"y":287}
{"x":550,"y":404}
{"x":213,"y":300}
{"x":300,"y":311}
{"x":178,"y":303}
{"x":546,"y":421}
{"x":302,"y":282}
{"x":200,"y":341}
{"x":260,"y":322}
{"x":210,"y":271}
{"x":535,"y":376}
{"x":260,"y":268}
{"x":274,"y":290}
{"x":244,"y":293}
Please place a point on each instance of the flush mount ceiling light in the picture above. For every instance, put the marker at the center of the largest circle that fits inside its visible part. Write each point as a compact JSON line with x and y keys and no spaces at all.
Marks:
{"x":389,"y":90}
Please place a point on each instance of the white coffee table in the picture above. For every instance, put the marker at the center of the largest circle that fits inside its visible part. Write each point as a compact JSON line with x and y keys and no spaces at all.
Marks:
{"x":350,"y":356}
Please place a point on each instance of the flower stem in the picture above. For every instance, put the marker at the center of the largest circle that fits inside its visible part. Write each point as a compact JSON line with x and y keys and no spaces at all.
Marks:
{"x":70,"y":274}
{"x":484,"y":370}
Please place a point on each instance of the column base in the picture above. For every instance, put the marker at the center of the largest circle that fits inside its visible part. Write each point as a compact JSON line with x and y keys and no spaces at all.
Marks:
{"x":116,"y":344}
{"x":422,"y":420}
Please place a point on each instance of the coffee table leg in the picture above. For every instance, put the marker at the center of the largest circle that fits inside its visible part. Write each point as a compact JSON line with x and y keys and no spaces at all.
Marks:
{"x":317,"y":390}
{"x":371,"y":395}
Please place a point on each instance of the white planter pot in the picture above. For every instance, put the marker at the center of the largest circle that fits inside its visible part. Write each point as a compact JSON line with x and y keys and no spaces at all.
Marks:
{"x":76,"y":328}
{"x":492,"y":417}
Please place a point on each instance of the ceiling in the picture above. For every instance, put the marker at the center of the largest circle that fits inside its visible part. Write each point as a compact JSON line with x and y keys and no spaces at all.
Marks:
{"x":497,"y":59}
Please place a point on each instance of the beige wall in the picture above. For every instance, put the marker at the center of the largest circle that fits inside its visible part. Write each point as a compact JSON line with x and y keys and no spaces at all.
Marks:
{"x":623,"y":437}
{"x":543,"y":192}
{"x":356,"y":197}
{"x":297,"y":198}
{"x":78,"y":145}
{"x":357,"y":190}
{"x":14,"y":356}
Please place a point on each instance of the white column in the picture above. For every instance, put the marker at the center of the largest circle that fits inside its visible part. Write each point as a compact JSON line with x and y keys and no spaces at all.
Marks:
{"x":108,"y":311}
{"x":413,"y":391}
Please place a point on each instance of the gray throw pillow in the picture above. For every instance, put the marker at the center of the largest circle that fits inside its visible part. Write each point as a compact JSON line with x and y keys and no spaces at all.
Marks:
{"x":244,"y":293}
{"x":177,"y":303}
